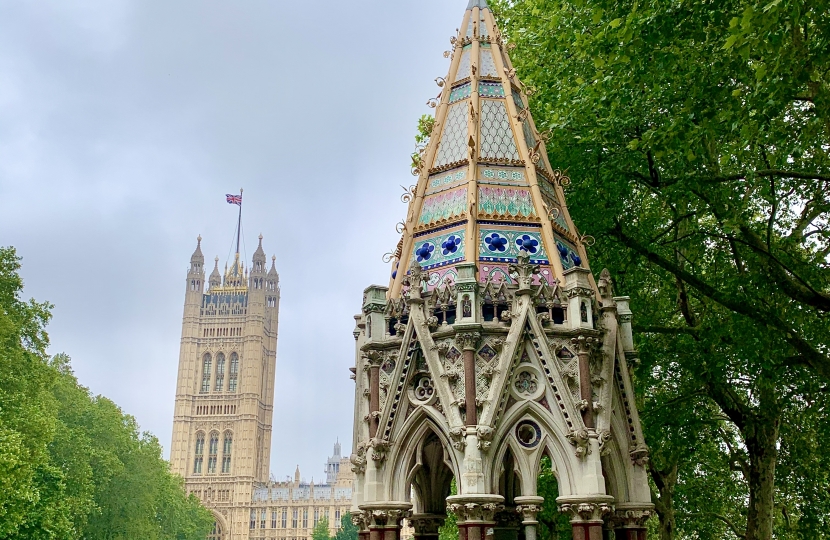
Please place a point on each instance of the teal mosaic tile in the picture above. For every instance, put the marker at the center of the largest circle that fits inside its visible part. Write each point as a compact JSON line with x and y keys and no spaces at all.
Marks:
{"x":490,"y":89}
{"x":460,"y":92}
{"x":567,"y":253}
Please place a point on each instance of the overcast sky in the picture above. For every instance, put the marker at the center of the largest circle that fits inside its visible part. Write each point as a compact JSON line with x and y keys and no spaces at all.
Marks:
{"x":123,"y":123}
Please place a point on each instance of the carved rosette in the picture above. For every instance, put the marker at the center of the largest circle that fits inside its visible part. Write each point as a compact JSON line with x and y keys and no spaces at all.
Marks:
{"x":591,"y":511}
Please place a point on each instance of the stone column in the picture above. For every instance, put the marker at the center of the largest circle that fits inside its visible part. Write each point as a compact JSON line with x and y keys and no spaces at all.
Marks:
{"x":630,"y":521}
{"x":508,"y":525}
{"x":476,"y":515}
{"x":528,"y":507}
{"x":426,"y":526}
{"x":584,"y":346}
{"x":468,"y":340}
{"x":587,"y":515}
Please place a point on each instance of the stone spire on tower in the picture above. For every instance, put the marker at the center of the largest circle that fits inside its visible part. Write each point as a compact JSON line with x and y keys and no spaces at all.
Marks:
{"x":486,"y":191}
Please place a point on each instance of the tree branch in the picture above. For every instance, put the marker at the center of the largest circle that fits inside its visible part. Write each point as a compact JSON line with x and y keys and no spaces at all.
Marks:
{"x":725,"y":519}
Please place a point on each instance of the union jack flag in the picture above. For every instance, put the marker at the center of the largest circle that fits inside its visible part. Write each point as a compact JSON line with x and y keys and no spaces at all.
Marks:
{"x":234,"y":199}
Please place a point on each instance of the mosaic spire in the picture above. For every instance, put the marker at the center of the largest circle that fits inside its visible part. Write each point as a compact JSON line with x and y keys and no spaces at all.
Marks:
{"x":486,"y":190}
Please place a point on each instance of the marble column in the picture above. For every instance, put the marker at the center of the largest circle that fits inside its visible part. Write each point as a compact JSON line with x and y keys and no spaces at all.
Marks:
{"x":476,"y":515}
{"x":426,"y":525}
{"x":529,"y":507}
{"x":588,"y":515}
{"x":630,"y":521}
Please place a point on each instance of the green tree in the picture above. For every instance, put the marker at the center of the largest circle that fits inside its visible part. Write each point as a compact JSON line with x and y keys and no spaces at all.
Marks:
{"x":553,"y":525}
{"x":321,"y":530}
{"x":26,"y":423}
{"x":347,"y":530}
{"x":697,"y":135}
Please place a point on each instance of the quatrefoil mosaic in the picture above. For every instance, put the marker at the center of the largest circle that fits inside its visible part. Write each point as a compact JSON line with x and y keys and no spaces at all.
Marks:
{"x":496,"y":242}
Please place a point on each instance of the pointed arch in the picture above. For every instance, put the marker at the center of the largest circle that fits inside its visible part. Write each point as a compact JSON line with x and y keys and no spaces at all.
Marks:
{"x":220,"y":527}
{"x":553,"y":440}
{"x":424,"y":424}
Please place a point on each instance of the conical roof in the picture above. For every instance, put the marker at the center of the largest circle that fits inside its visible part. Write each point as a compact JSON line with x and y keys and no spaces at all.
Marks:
{"x":485,"y":189}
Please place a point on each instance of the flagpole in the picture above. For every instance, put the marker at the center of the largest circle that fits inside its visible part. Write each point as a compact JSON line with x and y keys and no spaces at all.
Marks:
{"x":239,"y":223}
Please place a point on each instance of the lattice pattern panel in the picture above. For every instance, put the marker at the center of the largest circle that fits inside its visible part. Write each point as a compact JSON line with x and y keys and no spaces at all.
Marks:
{"x":488,"y":66}
{"x":496,"y":136}
{"x":464,"y":65}
{"x":453,"y":146}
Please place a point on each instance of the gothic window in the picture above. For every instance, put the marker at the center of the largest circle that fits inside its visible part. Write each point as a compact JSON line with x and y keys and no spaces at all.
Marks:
{"x":262,"y":519}
{"x":199,"y":454}
{"x":216,"y":533}
{"x":273,"y":519}
{"x":233,"y":375}
{"x":337,"y":518}
{"x":206,"y":363}
{"x":316,"y":515}
{"x":220,"y":372}
{"x":226,"y":453}
{"x":253,"y":519}
{"x":294,"y":519}
{"x":284,"y":518}
{"x":213,"y":450}
{"x":305,"y":518}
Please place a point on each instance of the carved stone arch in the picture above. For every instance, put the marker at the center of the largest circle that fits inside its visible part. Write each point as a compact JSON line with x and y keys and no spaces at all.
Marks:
{"x":511,"y":474}
{"x":614,"y":463}
{"x":223,"y":532}
{"x":553,"y":437}
{"x":412,"y":434}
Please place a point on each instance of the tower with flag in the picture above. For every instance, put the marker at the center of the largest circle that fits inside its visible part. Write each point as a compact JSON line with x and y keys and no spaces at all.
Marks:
{"x":493,"y":345}
{"x":223,"y":414}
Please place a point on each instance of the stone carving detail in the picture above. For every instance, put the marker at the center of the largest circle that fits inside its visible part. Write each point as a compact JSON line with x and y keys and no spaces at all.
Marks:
{"x":459,"y":442}
{"x":524,"y":272}
{"x":485,"y":437}
{"x":426,"y":524}
{"x":632,"y":518}
{"x":380,"y":449}
{"x":587,"y":511}
{"x":475,"y":511}
{"x":639,"y":454}
{"x":453,"y":364}
{"x":604,"y":437}
{"x":580,"y":438}
{"x":528,"y":512}
{"x":467,"y":340}
{"x":358,"y":459}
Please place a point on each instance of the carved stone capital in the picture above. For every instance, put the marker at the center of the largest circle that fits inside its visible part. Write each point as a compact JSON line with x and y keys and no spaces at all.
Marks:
{"x":386,"y":514}
{"x":523,"y":272}
{"x":485,"y":437}
{"x":582,"y":292}
{"x":529,"y":507}
{"x":426,"y":524}
{"x":585,"y":344}
{"x":458,"y":436}
{"x":595,"y":509}
{"x":475,"y":508}
{"x":630,"y":516}
{"x":466,"y":286}
{"x":468,"y":341}
{"x":360,"y":520}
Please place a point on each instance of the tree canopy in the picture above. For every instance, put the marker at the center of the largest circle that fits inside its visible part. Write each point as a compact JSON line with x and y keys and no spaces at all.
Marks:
{"x":696,"y":135}
{"x":73,"y":465}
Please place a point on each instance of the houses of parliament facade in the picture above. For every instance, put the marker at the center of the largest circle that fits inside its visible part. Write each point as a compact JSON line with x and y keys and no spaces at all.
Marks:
{"x":224,"y":407}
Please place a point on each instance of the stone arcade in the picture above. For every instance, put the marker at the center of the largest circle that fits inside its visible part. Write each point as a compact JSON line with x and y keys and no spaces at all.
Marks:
{"x":493,"y":344}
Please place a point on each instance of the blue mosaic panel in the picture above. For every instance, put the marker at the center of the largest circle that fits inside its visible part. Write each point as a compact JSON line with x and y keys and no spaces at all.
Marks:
{"x":490,"y":89}
{"x":503,"y":245}
{"x":460,"y":92}
{"x":440,"y":249}
{"x":568,"y":254}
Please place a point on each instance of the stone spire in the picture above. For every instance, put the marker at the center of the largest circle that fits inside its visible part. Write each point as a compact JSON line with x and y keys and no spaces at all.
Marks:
{"x":486,"y":190}
{"x":197,"y":258}
{"x":215,"y":276}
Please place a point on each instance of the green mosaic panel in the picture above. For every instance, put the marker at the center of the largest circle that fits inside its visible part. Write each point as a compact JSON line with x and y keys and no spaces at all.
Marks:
{"x":507,"y":202}
{"x":444,"y":206}
{"x":460,"y":92}
{"x":491,"y":90}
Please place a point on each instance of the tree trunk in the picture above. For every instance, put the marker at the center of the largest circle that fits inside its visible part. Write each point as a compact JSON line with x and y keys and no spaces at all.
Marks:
{"x":663,"y":500}
{"x":761,"y":438}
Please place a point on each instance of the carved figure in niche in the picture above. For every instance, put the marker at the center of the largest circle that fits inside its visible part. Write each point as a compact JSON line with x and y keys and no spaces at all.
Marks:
{"x":466,"y":306}
{"x":583,"y":311}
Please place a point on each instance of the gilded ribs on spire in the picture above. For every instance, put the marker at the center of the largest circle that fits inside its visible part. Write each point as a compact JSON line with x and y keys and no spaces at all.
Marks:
{"x":486,"y":191}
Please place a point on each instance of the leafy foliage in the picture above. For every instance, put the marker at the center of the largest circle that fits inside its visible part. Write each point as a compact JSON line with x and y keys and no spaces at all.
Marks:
{"x":347,"y":530}
{"x":73,"y":465}
{"x":697,"y":136}
{"x":321,"y":530}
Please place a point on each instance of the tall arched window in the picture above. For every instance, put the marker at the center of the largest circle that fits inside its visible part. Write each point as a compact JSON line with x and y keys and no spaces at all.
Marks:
{"x":226,"y":453}
{"x":213,"y":451}
{"x":220,"y":373}
{"x":199,"y":454}
{"x":206,"y":363}
{"x":216,"y":533}
{"x":233,"y":376}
